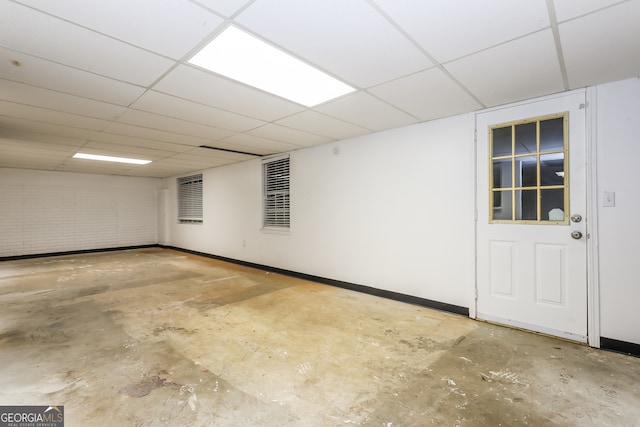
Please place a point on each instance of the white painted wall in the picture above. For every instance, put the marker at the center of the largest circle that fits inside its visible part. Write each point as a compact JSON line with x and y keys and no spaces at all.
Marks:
{"x":393,"y":210}
{"x":44,"y":212}
{"x":618,"y":164}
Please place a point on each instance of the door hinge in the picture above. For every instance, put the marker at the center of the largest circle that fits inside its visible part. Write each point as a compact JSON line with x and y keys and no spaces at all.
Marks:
{"x":476,"y":294}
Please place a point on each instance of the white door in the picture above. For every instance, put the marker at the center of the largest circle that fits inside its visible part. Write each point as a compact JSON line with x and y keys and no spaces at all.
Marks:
{"x":531,"y":225}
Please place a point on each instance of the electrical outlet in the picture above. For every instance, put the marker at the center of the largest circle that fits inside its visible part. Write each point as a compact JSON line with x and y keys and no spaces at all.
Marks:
{"x":609,"y":199}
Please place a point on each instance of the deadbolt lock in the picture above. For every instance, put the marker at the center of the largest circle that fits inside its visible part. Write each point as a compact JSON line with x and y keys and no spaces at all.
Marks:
{"x":576,"y":218}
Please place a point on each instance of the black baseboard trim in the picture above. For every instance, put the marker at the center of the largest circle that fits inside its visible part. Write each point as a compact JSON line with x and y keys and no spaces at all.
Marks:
{"x":410,"y":299}
{"x":628,"y":348}
{"x":78,"y":252}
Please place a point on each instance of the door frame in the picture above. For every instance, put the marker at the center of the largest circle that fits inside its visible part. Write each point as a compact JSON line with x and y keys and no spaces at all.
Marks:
{"x":593,"y":258}
{"x":592,"y":261}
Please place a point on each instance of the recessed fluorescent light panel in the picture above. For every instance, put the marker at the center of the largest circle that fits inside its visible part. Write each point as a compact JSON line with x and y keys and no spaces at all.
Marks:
{"x":110,"y":159}
{"x":242,"y":57}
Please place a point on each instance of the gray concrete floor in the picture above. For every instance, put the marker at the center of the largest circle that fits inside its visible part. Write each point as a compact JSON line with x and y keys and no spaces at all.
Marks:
{"x":160,"y":338}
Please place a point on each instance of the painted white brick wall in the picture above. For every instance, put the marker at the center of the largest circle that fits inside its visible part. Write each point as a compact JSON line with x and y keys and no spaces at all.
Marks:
{"x":45,"y":212}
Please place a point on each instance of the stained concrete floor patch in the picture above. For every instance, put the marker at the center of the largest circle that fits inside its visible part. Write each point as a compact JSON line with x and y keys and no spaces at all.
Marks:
{"x":160,"y":338}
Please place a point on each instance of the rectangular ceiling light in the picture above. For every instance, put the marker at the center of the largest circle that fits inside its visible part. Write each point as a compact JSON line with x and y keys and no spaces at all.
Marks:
{"x":110,"y":159}
{"x":242,"y":57}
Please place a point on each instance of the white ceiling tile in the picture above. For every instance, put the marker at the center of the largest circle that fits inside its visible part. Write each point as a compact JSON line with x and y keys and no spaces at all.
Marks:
{"x":51,"y":158}
{"x":450,"y":29}
{"x":521,"y":69}
{"x":169,"y":27}
{"x":120,"y":150}
{"x":367,"y":111}
{"x":77,"y":137}
{"x":32,"y":164}
{"x":286,"y":134}
{"x":203,"y":160}
{"x":26,"y":159}
{"x":171,"y":106}
{"x":33,"y":131}
{"x":260,"y":145}
{"x":22,"y":135}
{"x":224,"y":7}
{"x":44,"y":98}
{"x":94,"y":166}
{"x":43,"y":115}
{"x":46,"y":74}
{"x":345,"y":38}
{"x":597,"y":47}
{"x":190,"y":163}
{"x":169,"y":124}
{"x":90,"y":51}
{"x":209,"y":89}
{"x":320,"y":124}
{"x":164,"y":165}
{"x":27,"y":127}
{"x":139,"y":142}
{"x":569,"y":9}
{"x":153,"y":134}
{"x":427,"y":95}
{"x":152,"y":171}
{"x":32,"y":154}
{"x":216,"y":154}
{"x":35,"y":148}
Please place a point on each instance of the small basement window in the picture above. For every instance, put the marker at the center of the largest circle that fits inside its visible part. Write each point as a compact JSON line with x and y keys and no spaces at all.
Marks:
{"x":190,"y":199}
{"x":276,"y":200}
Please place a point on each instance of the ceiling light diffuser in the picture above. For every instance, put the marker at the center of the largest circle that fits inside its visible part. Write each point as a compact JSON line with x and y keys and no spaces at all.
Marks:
{"x":242,"y":57}
{"x":110,"y":159}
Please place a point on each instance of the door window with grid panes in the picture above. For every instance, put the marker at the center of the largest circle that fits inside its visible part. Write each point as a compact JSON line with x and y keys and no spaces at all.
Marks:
{"x":529,"y":177}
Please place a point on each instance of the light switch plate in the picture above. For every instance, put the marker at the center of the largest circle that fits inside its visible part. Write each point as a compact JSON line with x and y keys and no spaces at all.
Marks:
{"x":609,"y":199}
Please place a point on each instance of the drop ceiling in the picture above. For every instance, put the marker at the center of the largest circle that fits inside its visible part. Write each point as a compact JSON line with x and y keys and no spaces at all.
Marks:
{"x":113,"y":78}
